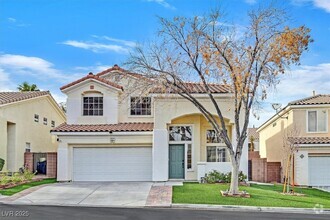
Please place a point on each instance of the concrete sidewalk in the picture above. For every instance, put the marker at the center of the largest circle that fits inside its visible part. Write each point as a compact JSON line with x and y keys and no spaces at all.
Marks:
{"x":316,"y":210}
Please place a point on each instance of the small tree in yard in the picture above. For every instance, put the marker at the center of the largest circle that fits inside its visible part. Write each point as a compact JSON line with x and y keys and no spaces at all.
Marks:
{"x":207,"y":50}
{"x":290,"y":146}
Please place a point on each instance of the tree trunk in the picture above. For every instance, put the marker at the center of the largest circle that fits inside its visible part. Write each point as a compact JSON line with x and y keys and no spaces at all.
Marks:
{"x":234,"y":177}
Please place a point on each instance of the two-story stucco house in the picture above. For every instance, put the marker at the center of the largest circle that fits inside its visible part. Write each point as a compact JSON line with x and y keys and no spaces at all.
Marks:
{"x":306,"y":122}
{"x":26,"y":119}
{"x":116,"y":134}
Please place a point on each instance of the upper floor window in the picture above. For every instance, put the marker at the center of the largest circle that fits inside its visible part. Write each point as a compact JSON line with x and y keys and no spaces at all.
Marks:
{"x":92,"y":106}
{"x":53,"y":124}
{"x":317,"y":121}
{"x":140,"y":105}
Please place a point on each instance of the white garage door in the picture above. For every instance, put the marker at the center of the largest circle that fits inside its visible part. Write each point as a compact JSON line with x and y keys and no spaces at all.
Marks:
{"x":318,"y":171}
{"x":112,"y":164}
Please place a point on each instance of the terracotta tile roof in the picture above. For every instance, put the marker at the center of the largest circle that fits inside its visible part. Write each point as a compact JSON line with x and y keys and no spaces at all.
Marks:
{"x":123,"y":71}
{"x":95,"y":77}
{"x":253,"y":132}
{"x":121,"y":127}
{"x":311,"y":140}
{"x":9,"y":97}
{"x":313,"y":100}
{"x":196,"y":88}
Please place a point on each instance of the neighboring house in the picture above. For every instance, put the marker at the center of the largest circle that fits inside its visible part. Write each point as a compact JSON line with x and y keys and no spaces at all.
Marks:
{"x":115,"y":134}
{"x":306,"y":123}
{"x":26,"y":119}
{"x":253,"y":139}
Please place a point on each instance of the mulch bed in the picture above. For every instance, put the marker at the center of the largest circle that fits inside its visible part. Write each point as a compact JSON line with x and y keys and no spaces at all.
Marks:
{"x":11,"y":185}
{"x":240,"y":195}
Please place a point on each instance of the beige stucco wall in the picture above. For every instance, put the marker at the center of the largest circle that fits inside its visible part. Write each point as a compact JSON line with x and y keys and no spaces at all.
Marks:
{"x":271,"y":138}
{"x":27,"y":130}
{"x":300,"y":119}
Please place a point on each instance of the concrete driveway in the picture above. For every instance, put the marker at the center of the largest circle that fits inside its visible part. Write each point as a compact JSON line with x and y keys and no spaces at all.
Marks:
{"x":133,"y":194}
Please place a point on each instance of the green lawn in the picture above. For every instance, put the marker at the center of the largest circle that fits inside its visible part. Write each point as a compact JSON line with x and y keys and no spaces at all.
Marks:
{"x":16,"y":189}
{"x":194,"y":193}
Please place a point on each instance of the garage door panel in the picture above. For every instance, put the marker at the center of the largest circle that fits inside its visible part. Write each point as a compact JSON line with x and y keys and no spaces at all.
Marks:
{"x":112,"y":164}
{"x":318,"y":170}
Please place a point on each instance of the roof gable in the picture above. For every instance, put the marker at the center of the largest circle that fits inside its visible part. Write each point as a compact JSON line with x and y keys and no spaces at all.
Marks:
{"x":313,"y":100}
{"x":91,"y":76}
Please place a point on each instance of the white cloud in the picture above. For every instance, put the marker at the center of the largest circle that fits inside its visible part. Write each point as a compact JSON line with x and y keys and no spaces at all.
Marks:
{"x":5,"y":83}
{"x":37,"y":67}
{"x":124,"y":42}
{"x":298,"y":84}
{"x":13,"y":20}
{"x":163,"y":3}
{"x":251,"y":2}
{"x":97,"y":47}
{"x":323,"y":4}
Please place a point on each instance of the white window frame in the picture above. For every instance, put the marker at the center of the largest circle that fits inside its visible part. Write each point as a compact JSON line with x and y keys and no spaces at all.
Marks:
{"x":140,"y":116}
{"x":317,"y":125}
{"x":36,"y":118}
{"x":216,"y":145}
{"x":27,"y":146}
{"x":45,"y":121}
{"x":185,"y":143}
{"x":92,"y":95}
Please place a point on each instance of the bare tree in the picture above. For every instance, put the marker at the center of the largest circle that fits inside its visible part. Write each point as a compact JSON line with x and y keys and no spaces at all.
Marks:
{"x":290,"y":146}
{"x":205,"y":49}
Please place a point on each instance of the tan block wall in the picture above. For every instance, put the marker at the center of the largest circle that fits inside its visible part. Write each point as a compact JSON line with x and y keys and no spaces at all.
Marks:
{"x":51,"y":158}
{"x":52,"y":165}
{"x":259,"y":169}
{"x":28,"y":160}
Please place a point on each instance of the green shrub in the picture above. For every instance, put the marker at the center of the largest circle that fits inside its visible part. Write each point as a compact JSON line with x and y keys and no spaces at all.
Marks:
{"x":27,"y":174}
{"x":218,"y":177}
{"x":4,"y":178}
{"x":17,"y":178}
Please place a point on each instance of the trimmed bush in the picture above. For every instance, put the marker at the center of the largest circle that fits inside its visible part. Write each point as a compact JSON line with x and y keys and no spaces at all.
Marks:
{"x":218,"y":177}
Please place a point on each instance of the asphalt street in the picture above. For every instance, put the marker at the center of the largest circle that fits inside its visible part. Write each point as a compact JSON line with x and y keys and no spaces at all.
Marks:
{"x":81,"y":213}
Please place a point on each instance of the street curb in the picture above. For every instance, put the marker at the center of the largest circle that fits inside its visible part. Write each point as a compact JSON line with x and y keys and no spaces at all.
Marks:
{"x":316,"y":210}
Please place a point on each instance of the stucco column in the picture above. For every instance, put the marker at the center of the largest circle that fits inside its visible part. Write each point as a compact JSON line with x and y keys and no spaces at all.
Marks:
{"x":160,"y":155}
{"x":64,"y":162}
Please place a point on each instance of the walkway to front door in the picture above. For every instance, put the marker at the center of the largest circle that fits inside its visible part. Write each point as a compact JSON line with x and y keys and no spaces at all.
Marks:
{"x":176,"y":161}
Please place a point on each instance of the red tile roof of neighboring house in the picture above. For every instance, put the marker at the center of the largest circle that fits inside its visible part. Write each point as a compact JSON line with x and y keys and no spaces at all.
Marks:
{"x":95,"y":77}
{"x":253,"y":132}
{"x":312,"y":140}
{"x":121,"y":127}
{"x":196,"y":88}
{"x":313,"y":100}
{"x":10,"y":97}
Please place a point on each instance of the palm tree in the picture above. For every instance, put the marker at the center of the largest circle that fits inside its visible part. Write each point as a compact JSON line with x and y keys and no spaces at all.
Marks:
{"x":25,"y":86}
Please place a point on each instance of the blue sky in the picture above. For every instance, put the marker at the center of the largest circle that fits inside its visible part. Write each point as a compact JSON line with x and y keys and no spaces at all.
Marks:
{"x":54,"y":42}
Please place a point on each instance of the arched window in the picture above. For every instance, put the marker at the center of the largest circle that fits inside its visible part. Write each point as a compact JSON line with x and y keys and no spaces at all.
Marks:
{"x":92,"y":104}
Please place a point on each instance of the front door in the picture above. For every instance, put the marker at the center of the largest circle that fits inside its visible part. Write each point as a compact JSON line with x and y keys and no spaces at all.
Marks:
{"x":176,"y":161}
